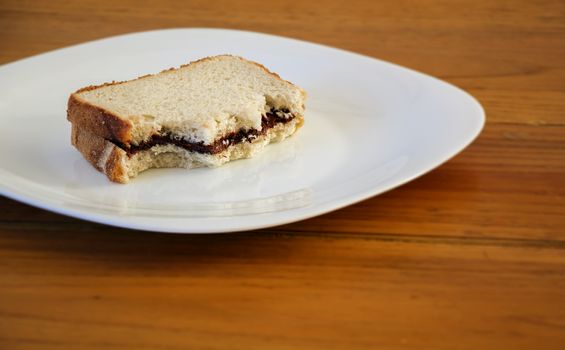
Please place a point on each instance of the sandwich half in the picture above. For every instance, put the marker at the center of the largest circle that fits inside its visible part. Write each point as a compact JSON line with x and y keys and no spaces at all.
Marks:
{"x":203,"y":114}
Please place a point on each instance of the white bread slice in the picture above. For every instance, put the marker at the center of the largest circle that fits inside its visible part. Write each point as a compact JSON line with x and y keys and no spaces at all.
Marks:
{"x":119,"y":167}
{"x":202,"y":102}
{"x":199,"y":102}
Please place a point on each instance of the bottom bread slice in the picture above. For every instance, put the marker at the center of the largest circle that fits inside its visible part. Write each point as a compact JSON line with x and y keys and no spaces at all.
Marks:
{"x":121,"y":167}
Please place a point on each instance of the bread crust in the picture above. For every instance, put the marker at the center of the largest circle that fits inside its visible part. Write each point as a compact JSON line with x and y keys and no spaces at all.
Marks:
{"x":102,"y":154}
{"x":98,"y":120}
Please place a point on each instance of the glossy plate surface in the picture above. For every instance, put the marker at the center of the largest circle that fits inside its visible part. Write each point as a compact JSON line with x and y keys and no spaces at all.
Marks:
{"x":369,"y":126}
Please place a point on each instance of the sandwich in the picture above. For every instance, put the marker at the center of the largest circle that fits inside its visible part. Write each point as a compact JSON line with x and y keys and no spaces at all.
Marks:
{"x":202,"y":114}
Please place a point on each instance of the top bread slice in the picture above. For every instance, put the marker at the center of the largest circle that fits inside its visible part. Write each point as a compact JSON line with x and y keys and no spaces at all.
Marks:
{"x":199,"y":102}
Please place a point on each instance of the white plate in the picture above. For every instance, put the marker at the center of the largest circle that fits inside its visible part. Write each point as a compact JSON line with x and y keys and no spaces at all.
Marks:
{"x":370,"y":126}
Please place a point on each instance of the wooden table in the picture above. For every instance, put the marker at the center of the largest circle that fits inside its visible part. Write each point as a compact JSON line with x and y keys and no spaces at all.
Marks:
{"x":470,"y":256}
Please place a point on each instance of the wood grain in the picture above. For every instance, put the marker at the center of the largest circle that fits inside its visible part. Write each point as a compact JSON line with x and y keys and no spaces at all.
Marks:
{"x":470,"y":256}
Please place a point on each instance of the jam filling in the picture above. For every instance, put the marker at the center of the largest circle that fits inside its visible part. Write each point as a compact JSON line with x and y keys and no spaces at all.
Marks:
{"x":268,"y":121}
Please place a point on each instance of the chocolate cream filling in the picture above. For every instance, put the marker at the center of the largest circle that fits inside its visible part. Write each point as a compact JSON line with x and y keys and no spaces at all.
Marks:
{"x":268,"y":121}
